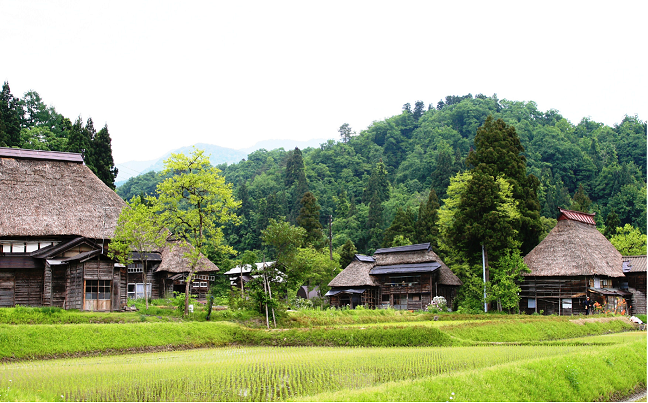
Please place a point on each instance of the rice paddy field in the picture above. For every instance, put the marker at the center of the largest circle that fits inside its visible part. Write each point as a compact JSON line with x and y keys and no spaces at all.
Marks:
{"x":586,"y":368}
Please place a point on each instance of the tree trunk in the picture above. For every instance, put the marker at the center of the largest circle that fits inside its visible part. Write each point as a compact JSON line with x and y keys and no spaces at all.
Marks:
{"x":187,"y":294}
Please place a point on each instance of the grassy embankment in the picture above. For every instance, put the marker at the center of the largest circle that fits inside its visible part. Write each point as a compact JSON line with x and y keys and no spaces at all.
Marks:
{"x":20,"y":342}
{"x":608,"y":365}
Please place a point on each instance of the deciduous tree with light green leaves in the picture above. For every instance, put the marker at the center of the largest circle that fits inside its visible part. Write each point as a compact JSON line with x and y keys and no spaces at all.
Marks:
{"x":629,"y":241}
{"x":138,"y":230}
{"x":194,"y":202}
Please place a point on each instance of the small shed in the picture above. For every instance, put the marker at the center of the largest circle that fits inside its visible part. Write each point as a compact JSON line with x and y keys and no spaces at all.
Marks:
{"x":354,"y":285}
{"x":634,"y":269}
{"x":172,"y":272}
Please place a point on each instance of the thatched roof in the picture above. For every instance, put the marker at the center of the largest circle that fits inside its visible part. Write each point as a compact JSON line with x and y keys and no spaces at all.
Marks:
{"x":54,"y":195}
{"x":634,"y":264}
{"x":173,"y":260}
{"x":357,"y":272}
{"x":574,"y":248}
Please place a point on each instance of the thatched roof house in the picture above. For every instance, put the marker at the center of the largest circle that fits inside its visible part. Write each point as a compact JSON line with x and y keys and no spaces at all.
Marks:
{"x":405,"y":277}
{"x":47,"y":193}
{"x":574,"y":261}
{"x":56,"y":218}
{"x":574,"y":247}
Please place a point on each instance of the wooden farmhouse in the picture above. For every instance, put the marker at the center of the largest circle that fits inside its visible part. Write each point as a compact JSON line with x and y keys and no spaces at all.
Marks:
{"x":573,"y":262}
{"x":404,"y":277}
{"x":56,"y":219}
{"x":241,"y":275}
{"x":634,"y":269}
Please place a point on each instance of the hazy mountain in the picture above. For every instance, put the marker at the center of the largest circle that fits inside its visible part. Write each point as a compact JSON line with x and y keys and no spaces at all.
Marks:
{"x":217,"y":155}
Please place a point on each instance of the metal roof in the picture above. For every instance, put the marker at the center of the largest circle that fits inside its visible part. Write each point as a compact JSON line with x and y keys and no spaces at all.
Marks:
{"x":365,"y":258}
{"x":22,"y":153}
{"x":634,"y":264}
{"x":576,"y":216}
{"x":345,"y":291}
{"x":406,"y":248}
{"x":406,"y":268}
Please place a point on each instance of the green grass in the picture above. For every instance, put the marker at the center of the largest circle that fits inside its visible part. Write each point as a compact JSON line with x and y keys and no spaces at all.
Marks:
{"x":591,"y":374}
{"x":486,"y":373}
{"x":20,"y":342}
{"x":521,"y":330}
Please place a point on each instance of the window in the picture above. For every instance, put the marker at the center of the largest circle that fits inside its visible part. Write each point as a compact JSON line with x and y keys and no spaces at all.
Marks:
{"x":385,"y":298}
{"x":531,"y":303}
{"x":97,"y":289}
{"x":605,"y":282}
{"x":212,"y":278}
{"x":415,"y":297}
{"x":136,"y":290}
{"x":566,"y":303}
{"x":136,"y":268}
{"x":404,"y":281}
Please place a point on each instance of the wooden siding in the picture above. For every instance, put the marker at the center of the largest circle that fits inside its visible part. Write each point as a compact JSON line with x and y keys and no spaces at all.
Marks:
{"x":98,"y":270}
{"x":20,"y":262}
{"x":74,"y":286}
{"x":7,"y":287}
{"x":637,"y":286}
{"x":29,"y":287}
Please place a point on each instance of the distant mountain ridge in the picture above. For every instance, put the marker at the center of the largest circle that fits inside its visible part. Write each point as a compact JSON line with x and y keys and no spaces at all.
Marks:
{"x":217,"y":155}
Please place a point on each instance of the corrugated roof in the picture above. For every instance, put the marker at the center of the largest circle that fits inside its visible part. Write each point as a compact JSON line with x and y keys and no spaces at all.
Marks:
{"x":406,"y":248}
{"x":40,"y":155}
{"x":576,"y":216}
{"x":406,"y":268}
{"x":54,"y":250}
{"x":345,"y":291}
{"x":634,"y":264}
{"x":82,"y":256}
{"x":365,"y":258}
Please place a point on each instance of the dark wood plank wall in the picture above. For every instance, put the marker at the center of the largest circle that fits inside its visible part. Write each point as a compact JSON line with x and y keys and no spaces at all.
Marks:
{"x":637,"y":285}
{"x":47,"y":286}
{"x":7,"y":287}
{"x":58,"y":285}
{"x":74,"y":285}
{"x":98,"y":270}
{"x":123,"y":282}
{"x":29,"y":287}
{"x":425,"y":289}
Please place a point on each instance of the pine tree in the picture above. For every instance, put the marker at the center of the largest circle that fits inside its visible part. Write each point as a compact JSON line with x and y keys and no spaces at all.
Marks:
{"x":11,"y":115}
{"x":103,"y":159}
{"x":347,"y":253}
{"x":403,"y":225}
{"x":374,"y":222}
{"x":427,"y":225}
{"x":295,"y":180}
{"x":499,"y":153}
{"x":377,"y":185}
{"x":580,"y":202}
{"x":612,"y":222}
{"x":309,"y":220}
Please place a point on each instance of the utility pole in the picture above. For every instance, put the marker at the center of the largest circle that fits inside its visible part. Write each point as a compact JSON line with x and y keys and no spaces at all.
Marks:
{"x":331,"y":236}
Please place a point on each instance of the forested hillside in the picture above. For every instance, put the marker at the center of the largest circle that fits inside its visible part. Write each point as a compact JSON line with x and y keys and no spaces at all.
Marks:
{"x":28,"y":122}
{"x":398,"y":160}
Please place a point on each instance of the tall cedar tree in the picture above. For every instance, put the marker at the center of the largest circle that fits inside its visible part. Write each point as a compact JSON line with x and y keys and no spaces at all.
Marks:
{"x":11,"y":115}
{"x":377,"y":185}
{"x":78,"y":142}
{"x":347,"y":253}
{"x":403,"y":225}
{"x":427,"y":225}
{"x":580,"y":202}
{"x":103,"y":159}
{"x":309,"y":220}
{"x":498,"y":153}
{"x":295,"y":180}
{"x":612,"y":222}
{"x":481,"y":219}
{"x":374,"y":223}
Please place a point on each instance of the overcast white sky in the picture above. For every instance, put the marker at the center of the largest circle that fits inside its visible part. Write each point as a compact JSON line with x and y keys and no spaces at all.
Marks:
{"x":168,"y":74}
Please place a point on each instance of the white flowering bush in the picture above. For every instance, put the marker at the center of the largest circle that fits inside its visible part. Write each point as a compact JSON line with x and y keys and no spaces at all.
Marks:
{"x":438,"y":304}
